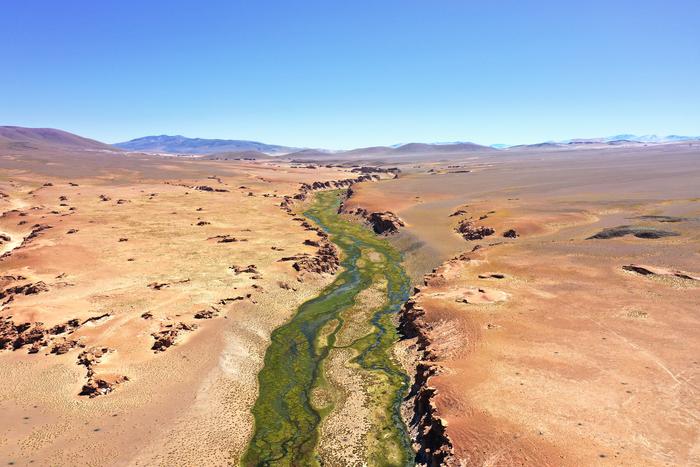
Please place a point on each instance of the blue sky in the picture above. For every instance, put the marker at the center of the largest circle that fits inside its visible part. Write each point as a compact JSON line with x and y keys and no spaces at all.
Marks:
{"x":357,"y":73}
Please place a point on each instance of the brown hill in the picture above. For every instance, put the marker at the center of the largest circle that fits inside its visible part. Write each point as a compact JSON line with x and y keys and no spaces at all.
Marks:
{"x":19,"y":138}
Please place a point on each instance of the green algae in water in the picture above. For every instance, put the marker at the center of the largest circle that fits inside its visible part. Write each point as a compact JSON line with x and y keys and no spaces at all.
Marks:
{"x":286,"y":419}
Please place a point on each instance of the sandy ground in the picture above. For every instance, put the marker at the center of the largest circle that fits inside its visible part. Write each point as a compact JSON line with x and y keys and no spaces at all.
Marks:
{"x":132,"y":250}
{"x":550,"y":353}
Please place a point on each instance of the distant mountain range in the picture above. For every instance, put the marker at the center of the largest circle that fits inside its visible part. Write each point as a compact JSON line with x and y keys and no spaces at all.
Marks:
{"x":633,"y":138}
{"x":182,"y":145}
{"x":609,"y":140}
{"x":19,"y":139}
{"x":653,"y":138}
{"x":396,"y":151}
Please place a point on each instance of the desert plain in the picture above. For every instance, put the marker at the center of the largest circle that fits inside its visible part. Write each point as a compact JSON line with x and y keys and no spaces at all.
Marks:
{"x":553,"y":320}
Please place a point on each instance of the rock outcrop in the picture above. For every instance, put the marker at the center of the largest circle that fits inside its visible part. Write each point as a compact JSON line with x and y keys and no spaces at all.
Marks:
{"x":431,"y":442}
{"x":469,"y":231}
{"x":36,"y":336}
{"x":34,"y":288}
{"x":206,"y":314}
{"x":383,"y":223}
{"x":168,"y":335}
{"x":101,"y":386}
{"x":97,"y":385}
{"x":326,"y":260}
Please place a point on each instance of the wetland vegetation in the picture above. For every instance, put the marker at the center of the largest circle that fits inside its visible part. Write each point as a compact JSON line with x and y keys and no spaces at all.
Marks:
{"x":296,"y":393}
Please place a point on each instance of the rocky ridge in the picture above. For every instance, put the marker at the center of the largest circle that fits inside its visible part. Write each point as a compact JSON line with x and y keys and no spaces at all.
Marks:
{"x":428,"y":431}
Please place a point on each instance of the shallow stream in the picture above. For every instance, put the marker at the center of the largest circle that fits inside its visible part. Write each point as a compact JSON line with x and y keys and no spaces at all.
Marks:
{"x":288,"y":411}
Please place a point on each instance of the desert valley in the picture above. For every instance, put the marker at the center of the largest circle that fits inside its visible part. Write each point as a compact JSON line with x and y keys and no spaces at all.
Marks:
{"x":422,"y":304}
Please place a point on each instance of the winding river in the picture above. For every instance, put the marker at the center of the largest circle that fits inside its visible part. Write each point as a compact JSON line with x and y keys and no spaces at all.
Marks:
{"x":296,"y":394}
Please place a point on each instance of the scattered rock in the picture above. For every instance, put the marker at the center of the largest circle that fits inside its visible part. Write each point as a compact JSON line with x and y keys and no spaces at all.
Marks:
{"x":67,"y":327}
{"x":492,"y":276}
{"x":25,"y":289}
{"x":227,"y":239}
{"x":226,"y":301}
{"x":208,"y":188}
{"x":250,"y":269}
{"x":206,"y":314}
{"x":511,"y":233}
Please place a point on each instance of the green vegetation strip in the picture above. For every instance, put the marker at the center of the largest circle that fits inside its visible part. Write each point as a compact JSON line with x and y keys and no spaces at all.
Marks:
{"x":286,"y":413}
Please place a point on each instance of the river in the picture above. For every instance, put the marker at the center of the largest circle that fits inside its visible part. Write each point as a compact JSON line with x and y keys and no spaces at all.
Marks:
{"x":295,"y":393}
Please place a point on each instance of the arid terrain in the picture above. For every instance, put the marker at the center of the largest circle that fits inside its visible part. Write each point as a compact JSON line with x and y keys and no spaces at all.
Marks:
{"x":150,"y":285}
{"x":560,"y":325}
{"x":554,"y":319}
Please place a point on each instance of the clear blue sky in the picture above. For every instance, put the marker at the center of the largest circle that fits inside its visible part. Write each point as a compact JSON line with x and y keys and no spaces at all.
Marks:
{"x":343,"y":74}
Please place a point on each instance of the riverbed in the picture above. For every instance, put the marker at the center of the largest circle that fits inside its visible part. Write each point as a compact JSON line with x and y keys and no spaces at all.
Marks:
{"x":349,"y":328}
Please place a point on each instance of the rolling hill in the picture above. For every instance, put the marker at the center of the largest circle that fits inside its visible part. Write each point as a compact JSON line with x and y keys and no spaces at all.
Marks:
{"x":20,"y":138}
